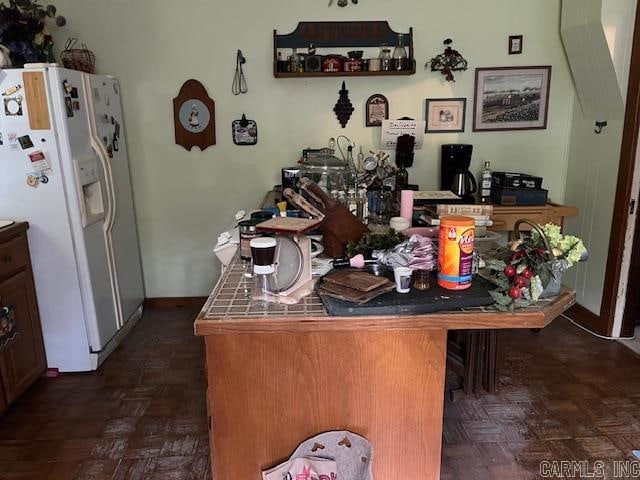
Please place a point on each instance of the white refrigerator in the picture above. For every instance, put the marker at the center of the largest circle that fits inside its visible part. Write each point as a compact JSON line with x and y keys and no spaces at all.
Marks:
{"x":64,"y":169}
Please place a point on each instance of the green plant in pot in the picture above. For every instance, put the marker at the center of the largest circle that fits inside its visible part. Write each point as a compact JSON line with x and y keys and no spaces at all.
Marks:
{"x":531,"y":268}
{"x":24,"y":31}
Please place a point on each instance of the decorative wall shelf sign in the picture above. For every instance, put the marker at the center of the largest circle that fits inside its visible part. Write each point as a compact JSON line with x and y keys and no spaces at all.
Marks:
{"x":377,"y":110}
{"x":194,"y":116}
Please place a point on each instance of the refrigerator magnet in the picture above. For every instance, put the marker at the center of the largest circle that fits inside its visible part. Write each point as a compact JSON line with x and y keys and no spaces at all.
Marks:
{"x":25,"y":142}
{"x":32,"y":180}
{"x":68,"y":106}
{"x":244,"y":131}
{"x":12,"y":90}
{"x":75,"y":104}
{"x":39,"y":162}
{"x":13,"y":106}
{"x":74,"y":92}
{"x":66,"y":86}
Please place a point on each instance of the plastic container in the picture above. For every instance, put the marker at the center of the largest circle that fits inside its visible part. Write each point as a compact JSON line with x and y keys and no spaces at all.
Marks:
{"x":455,"y":252}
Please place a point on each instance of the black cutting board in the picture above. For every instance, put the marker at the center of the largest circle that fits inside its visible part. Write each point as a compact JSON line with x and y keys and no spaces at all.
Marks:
{"x":435,"y":299}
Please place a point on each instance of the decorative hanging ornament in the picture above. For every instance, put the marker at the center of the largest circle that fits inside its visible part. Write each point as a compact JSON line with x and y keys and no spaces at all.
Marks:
{"x":343,"y":108}
{"x":448,"y":62}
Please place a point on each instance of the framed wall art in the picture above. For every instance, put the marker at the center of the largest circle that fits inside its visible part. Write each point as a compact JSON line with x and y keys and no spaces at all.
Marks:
{"x":511,"y":98}
{"x":445,"y":115}
{"x":515,"y":44}
{"x":194,"y":116}
{"x":377,"y":110}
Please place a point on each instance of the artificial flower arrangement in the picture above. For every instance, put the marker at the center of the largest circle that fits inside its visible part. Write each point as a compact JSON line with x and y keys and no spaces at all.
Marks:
{"x":531,"y":268}
{"x":24,"y":31}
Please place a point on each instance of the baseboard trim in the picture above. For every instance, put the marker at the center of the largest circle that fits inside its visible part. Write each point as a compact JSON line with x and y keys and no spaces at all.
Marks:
{"x":586,"y":318}
{"x":175,"y":303}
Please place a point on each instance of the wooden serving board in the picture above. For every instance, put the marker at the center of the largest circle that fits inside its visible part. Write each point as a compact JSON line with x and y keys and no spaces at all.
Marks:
{"x":356,"y":296}
{"x":354,"y":279}
{"x":435,"y":299}
{"x":288,"y":225}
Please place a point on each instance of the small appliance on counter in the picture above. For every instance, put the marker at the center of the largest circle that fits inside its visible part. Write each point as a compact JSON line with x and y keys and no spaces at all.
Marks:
{"x":517,"y":189}
{"x":455,"y":162}
{"x":324,"y":168}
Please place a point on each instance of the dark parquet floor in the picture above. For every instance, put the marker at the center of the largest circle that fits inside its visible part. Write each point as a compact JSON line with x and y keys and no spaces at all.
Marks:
{"x":563,"y":396}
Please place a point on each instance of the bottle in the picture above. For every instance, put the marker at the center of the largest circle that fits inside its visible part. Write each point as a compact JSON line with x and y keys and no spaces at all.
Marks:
{"x":352,"y":203}
{"x":352,"y":173}
{"x":487,"y":179}
{"x":362,"y":206}
{"x":400,"y":54}
{"x":402,"y":178}
{"x":386,"y":63}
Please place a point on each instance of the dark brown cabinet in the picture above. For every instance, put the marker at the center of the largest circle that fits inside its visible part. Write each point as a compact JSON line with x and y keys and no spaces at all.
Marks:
{"x":22,"y":358}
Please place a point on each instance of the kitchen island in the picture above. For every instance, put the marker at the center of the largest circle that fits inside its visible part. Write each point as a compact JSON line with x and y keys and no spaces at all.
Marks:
{"x":279,"y":377}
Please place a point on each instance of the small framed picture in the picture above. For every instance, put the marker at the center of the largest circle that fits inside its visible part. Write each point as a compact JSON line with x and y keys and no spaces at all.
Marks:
{"x":511,"y":98}
{"x":445,"y":115}
{"x":515,"y":44}
{"x":377,"y":110}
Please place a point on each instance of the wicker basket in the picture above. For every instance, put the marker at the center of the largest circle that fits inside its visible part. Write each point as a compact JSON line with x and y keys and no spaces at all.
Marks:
{"x":555,"y":285}
{"x":81,"y":59}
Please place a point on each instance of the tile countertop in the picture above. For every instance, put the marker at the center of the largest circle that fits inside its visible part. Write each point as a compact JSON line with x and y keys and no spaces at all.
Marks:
{"x":228,"y":310}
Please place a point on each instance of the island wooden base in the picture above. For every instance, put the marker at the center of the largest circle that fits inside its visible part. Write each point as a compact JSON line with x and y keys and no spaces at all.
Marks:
{"x":270,"y":391}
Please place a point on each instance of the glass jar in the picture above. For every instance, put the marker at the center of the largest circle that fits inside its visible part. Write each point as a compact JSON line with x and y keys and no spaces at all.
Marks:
{"x":400,"y":54}
{"x":386,"y":63}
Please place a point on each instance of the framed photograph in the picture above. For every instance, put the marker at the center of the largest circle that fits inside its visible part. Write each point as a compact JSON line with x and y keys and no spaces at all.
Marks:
{"x":377,"y":110}
{"x":515,"y":44}
{"x":445,"y":115}
{"x":511,"y":98}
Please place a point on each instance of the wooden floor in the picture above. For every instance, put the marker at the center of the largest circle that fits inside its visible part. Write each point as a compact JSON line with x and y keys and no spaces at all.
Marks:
{"x":563,"y":396}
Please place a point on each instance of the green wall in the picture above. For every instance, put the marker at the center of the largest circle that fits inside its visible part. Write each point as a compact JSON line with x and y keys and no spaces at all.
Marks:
{"x":184,"y":199}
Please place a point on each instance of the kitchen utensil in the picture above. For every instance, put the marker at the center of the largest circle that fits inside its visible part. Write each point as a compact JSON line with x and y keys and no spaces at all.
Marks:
{"x":338,"y":221}
{"x":239,"y":82}
{"x":302,"y":203}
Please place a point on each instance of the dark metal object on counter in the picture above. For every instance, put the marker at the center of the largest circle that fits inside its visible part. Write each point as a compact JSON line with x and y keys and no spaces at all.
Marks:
{"x":248,"y":232}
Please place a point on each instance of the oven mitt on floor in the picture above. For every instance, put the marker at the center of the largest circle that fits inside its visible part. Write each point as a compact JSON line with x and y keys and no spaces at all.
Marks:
{"x":304,"y":468}
{"x":353,"y":454}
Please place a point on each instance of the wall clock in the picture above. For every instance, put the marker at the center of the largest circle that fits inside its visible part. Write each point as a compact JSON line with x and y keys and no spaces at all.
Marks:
{"x":194,"y":116}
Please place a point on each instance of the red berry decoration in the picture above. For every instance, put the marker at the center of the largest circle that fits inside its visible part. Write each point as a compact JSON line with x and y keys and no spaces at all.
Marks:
{"x":526,"y":273}
{"x":514,"y":292}
{"x":520,"y":281}
{"x":509,"y":271}
{"x":517,"y":255}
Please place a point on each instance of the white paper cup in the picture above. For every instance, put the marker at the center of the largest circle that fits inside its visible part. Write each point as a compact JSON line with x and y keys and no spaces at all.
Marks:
{"x":403,"y":279}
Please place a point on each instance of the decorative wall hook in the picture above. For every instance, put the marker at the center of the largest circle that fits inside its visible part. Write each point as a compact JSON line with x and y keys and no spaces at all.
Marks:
{"x":600,"y":126}
{"x":448,"y":62}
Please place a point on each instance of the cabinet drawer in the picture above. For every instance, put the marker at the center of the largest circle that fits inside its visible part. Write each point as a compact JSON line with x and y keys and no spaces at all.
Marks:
{"x":14,"y":255}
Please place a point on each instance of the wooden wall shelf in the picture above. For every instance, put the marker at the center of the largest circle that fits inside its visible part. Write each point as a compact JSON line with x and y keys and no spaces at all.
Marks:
{"x":342,"y":35}
{"x":393,"y":73}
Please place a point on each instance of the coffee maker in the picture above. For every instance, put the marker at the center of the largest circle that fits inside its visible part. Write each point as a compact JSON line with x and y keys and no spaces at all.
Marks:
{"x":455,"y":176}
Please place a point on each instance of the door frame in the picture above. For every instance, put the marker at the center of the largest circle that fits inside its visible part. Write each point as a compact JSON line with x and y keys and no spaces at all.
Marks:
{"x":603,"y":323}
